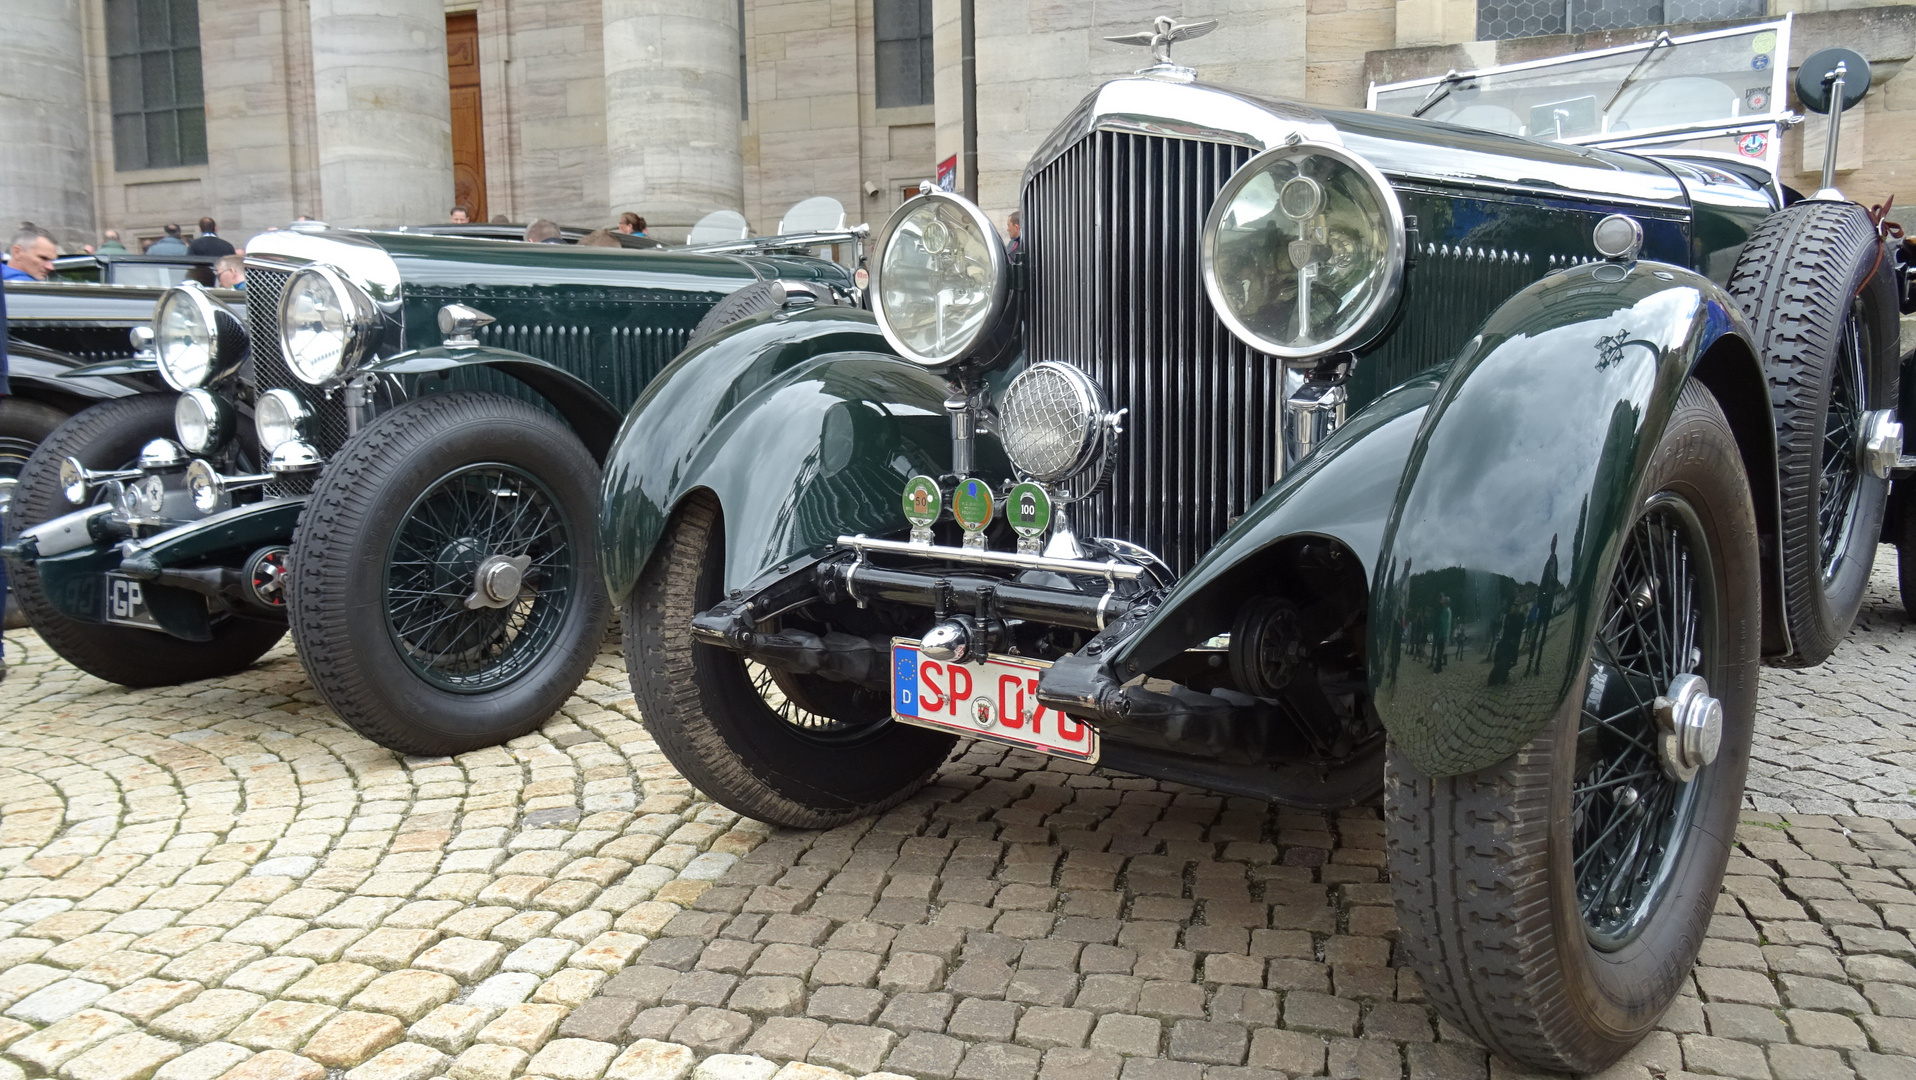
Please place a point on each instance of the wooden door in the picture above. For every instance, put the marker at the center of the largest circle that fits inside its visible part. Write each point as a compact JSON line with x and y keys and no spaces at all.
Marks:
{"x":468,"y":127}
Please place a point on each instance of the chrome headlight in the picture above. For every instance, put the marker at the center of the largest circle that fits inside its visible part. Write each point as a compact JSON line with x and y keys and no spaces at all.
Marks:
{"x":939,"y":285}
{"x":201,"y":420}
{"x":196,"y":338}
{"x":1304,"y":250}
{"x":327,"y":325}
{"x":279,"y":417}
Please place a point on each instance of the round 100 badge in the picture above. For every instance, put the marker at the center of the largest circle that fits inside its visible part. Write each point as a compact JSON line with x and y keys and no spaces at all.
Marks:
{"x":923,"y":502}
{"x":1028,"y":510}
{"x":971,"y":504}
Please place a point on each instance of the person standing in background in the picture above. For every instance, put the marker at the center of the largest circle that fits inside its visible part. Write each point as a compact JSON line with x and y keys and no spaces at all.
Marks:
{"x":208,"y":242}
{"x":170,"y":244}
{"x":631,"y":224}
{"x":1014,"y":225}
{"x":111,"y":245}
{"x":31,"y":255}
{"x":460,"y":215}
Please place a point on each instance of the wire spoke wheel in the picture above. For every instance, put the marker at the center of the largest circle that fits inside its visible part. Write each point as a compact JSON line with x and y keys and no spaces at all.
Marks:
{"x":478,"y":578}
{"x":1628,"y":814}
{"x":1841,"y":479}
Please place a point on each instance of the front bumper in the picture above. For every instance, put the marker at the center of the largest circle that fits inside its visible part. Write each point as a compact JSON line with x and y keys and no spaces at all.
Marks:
{"x":190,"y":574}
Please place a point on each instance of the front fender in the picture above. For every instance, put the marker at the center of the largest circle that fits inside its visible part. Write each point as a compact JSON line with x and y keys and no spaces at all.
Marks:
{"x":591,"y":416}
{"x":800,"y":422}
{"x":1525,"y":472}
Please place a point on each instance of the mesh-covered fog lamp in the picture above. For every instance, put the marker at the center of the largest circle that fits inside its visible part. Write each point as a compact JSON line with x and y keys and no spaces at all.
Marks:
{"x":1054,"y":427}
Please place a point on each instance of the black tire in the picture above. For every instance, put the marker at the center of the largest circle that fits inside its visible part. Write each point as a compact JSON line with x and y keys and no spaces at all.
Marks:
{"x":753,"y":299}
{"x":1810,"y":278}
{"x":23,"y":424}
{"x":702,"y":707}
{"x":109,"y":436}
{"x":387,"y":639}
{"x":1485,"y":865}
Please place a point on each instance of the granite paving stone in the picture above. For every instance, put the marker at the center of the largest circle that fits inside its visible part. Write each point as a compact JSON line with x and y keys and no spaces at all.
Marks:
{"x":221,"y":879}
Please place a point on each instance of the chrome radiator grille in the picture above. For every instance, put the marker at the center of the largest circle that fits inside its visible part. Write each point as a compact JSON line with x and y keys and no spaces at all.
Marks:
{"x":1111,"y":232}
{"x":327,"y":429}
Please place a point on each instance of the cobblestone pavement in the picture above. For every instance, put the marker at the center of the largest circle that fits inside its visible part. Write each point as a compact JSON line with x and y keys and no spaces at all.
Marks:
{"x":221,"y":880}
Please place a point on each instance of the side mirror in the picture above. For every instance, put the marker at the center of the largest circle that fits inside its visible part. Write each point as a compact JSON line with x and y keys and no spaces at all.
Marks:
{"x":1831,"y":81}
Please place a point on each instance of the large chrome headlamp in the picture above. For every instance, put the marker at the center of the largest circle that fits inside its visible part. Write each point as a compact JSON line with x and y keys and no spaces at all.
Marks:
{"x":940,"y":283}
{"x":1054,"y":427}
{"x":1303,"y":252}
{"x":279,"y":417}
{"x":196,"y":338}
{"x":327,"y":325}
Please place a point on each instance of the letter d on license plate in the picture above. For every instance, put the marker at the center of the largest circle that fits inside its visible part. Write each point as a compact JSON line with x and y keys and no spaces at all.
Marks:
{"x":995,"y":699}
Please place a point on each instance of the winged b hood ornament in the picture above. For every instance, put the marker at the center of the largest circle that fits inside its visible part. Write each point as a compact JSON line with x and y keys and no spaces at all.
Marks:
{"x":1166,"y":30}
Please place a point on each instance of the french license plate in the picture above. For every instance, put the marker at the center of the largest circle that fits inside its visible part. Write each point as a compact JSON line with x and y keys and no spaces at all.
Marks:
{"x":995,"y":699}
{"x":126,"y":603}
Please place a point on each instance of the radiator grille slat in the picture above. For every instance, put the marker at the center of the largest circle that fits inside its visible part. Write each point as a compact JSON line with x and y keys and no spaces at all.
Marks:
{"x":1111,"y":231}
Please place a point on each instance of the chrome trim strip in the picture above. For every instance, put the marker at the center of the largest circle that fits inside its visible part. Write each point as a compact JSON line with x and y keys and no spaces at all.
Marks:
{"x":362,"y":260}
{"x":1010,"y":560}
{"x":1144,"y":106}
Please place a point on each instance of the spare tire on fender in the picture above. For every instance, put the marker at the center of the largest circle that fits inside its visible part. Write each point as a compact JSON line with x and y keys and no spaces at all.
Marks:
{"x":1820,"y":293}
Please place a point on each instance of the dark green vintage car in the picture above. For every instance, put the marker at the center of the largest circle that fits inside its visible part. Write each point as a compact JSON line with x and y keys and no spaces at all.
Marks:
{"x":1304,"y":454}
{"x":394,"y":450}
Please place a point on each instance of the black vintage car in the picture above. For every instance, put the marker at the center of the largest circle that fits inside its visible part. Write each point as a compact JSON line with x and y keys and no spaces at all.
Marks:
{"x":1308,"y":453}
{"x":393,"y":448}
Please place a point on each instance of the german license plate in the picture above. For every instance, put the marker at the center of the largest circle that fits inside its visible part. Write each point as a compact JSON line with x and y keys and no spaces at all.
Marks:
{"x":995,"y":699}
{"x":126,"y":603}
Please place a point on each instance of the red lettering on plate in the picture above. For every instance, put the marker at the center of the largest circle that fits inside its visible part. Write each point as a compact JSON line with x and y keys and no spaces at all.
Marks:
{"x":1011,"y":713}
{"x":1070,"y":729}
{"x":930,"y":699}
{"x":955,"y":674}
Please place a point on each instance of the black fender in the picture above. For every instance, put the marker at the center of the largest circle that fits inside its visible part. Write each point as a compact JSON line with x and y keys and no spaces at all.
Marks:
{"x":1526,"y":470}
{"x":801,"y":422}
{"x":38,"y":373}
{"x":590,"y":415}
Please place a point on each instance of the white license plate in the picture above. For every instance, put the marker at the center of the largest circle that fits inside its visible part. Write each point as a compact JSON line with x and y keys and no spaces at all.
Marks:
{"x":126,"y":603}
{"x":994,"y":699}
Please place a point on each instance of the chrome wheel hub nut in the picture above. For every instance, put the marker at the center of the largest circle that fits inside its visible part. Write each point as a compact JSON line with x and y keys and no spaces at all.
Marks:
{"x":1882,"y":442}
{"x":1689,"y":725}
{"x":498,"y":581}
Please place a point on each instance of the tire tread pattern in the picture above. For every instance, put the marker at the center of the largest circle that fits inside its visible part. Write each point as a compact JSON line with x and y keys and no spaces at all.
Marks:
{"x":1792,"y":282}
{"x":327,"y":540}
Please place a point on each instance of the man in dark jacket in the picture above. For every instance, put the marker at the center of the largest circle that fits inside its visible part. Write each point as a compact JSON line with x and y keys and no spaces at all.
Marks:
{"x":207,"y":242}
{"x":170,"y":244}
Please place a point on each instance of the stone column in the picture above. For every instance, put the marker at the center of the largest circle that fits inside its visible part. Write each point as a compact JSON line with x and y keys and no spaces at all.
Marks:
{"x":46,"y":168}
{"x":384,"y":113}
{"x":672,"y":111}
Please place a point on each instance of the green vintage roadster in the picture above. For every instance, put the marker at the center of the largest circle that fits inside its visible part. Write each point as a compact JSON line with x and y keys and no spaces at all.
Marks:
{"x":1305,"y":454}
{"x":394,"y":451}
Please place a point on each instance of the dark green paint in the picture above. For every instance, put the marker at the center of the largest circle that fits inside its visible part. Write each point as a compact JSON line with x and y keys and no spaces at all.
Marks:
{"x":591,"y":416}
{"x":1524,"y":471}
{"x":1344,"y":491}
{"x":800,"y":423}
{"x":236,"y":532}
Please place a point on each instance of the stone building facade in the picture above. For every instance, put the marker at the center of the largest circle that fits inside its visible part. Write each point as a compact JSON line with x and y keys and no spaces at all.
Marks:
{"x":341,"y":109}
